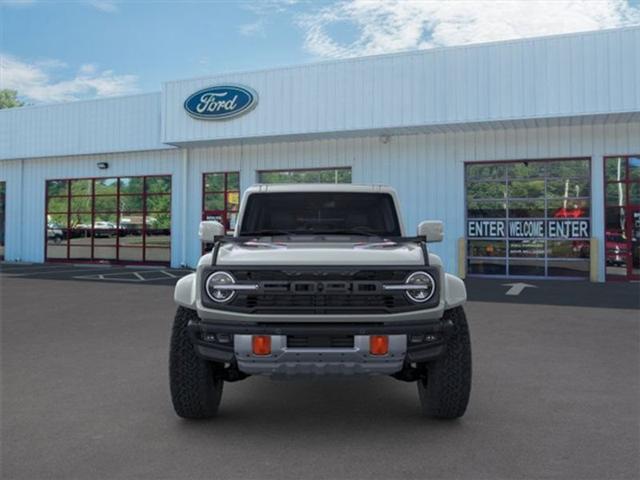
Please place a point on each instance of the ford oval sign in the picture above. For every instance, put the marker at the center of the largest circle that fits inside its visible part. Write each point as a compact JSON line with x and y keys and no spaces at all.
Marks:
{"x":221,"y":102}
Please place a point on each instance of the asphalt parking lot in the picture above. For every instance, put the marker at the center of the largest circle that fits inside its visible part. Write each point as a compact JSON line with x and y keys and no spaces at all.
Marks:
{"x":93,"y":272}
{"x":556,"y":392}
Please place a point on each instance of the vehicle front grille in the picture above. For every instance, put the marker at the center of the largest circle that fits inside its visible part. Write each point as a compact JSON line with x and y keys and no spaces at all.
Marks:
{"x":322,"y":290}
{"x":328,"y":303}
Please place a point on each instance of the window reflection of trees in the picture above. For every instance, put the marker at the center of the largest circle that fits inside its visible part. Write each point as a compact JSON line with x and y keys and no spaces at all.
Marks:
{"x":127,"y":219}
{"x":329,"y":175}
{"x":528,"y":190}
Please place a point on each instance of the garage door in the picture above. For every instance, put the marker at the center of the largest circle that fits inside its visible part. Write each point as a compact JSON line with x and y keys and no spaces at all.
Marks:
{"x":120,"y":219}
{"x":529,"y":218}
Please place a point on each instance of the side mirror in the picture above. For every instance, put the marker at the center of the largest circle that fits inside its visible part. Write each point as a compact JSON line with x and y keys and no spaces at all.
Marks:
{"x":209,"y":230}
{"x":433,"y":230}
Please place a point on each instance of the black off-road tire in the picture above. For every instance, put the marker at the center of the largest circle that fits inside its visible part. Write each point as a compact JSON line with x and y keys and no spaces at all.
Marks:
{"x":444,"y":391}
{"x":196,"y":387}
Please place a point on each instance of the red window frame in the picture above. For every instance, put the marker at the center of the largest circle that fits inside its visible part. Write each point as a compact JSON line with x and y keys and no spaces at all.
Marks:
{"x":144,"y":213}
{"x":226,"y":209}
{"x":628,"y":208}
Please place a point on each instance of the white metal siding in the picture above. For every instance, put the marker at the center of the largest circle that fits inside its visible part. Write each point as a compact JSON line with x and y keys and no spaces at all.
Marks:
{"x":426,"y":169}
{"x":97,"y":126}
{"x":11,"y":173}
{"x":573,"y":76}
{"x":562,"y":76}
{"x":26,"y":203}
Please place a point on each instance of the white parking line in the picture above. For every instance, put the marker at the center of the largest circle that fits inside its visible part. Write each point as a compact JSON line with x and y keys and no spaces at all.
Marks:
{"x":135,"y":277}
{"x":106,"y":278}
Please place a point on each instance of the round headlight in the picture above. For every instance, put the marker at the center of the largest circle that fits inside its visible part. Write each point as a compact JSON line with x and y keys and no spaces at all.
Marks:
{"x":218,"y":287}
{"x":423,"y":286}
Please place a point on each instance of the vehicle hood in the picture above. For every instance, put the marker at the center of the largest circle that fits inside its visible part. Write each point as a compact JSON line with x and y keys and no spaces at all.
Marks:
{"x":320,"y":253}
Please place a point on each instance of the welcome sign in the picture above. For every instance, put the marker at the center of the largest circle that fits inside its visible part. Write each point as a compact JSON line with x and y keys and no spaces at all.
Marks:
{"x":221,"y":102}
{"x":570,"y":229}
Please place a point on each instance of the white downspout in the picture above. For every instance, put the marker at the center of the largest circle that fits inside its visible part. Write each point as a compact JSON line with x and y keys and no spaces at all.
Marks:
{"x":185,"y":206}
{"x":23,"y":224}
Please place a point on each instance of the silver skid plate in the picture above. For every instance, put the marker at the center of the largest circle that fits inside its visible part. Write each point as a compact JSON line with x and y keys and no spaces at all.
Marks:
{"x":285,"y":361}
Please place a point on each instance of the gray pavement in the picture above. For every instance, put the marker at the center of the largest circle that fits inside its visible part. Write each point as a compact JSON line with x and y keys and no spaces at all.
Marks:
{"x":576,"y":293}
{"x":96,"y":272}
{"x":556,"y":393}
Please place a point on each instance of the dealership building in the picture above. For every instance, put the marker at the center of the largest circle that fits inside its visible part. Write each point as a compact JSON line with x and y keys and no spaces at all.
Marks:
{"x":527,"y":150}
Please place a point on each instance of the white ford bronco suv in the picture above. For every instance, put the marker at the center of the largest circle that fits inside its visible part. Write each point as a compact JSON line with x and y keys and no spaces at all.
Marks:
{"x":320,"y":280}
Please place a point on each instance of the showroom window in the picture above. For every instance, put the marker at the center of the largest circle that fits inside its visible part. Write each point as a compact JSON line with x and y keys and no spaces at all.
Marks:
{"x":528,"y":218}
{"x":3,"y":188}
{"x":321,"y":175}
{"x":221,"y":197}
{"x":622,"y":217}
{"x":120,"y":219}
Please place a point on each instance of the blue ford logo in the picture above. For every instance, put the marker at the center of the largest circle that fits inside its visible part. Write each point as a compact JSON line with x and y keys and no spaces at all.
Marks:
{"x":221,"y":102}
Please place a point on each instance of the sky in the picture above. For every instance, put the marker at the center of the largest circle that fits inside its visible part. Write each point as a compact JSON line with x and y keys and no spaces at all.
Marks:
{"x":58,"y":51}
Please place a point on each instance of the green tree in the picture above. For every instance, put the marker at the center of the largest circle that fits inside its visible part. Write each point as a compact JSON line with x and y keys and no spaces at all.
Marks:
{"x":9,"y":99}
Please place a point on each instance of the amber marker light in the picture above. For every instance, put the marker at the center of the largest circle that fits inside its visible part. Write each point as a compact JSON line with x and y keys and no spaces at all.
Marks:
{"x":261,"y":344}
{"x":379,"y":344}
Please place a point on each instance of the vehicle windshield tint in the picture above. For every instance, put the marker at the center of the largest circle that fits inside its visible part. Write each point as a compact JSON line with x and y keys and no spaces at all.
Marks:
{"x":320,"y":213}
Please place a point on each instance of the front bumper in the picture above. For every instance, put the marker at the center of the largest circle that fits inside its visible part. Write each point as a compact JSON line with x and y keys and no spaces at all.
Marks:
{"x":219,"y":315}
{"x":288,"y":361}
{"x":409,"y":342}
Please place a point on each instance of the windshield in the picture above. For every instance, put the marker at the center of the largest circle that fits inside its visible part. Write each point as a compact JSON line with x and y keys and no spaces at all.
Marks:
{"x":310,"y":213}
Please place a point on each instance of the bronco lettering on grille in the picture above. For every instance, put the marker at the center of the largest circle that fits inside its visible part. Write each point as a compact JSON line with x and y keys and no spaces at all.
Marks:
{"x":320,"y":288}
